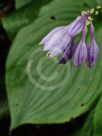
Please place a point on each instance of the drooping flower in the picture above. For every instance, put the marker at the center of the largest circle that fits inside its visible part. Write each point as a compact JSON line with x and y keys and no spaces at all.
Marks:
{"x":60,"y":41}
{"x":92,"y":49}
{"x":56,"y":41}
{"x":80,"y":54}
{"x":59,"y":38}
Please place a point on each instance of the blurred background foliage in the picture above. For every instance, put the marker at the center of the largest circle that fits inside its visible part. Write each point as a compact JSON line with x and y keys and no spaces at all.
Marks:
{"x":71,"y":110}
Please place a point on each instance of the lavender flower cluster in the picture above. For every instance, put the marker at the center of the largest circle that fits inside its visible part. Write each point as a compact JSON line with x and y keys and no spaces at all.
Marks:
{"x":61,"y":40}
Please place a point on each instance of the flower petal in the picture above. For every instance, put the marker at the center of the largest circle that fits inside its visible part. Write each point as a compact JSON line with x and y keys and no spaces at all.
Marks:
{"x":92,"y":49}
{"x":68,"y":53}
{"x":55,"y":52}
{"x":54,"y":34}
{"x":80,"y":54}
{"x":50,"y":34}
{"x":77,"y":25}
{"x":93,"y":52}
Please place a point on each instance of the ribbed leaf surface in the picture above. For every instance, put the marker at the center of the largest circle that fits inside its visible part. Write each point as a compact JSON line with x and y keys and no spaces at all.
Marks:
{"x":39,"y":90}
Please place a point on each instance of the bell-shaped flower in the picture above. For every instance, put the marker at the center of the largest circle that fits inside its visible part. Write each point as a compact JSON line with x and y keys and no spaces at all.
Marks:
{"x":92,"y":49}
{"x":80,"y":54}
{"x":58,"y":38}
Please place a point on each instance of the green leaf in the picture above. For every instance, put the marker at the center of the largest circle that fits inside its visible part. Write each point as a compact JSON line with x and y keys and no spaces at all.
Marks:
{"x":21,"y":3}
{"x":22,"y":17}
{"x":98,"y":119}
{"x":39,"y":90}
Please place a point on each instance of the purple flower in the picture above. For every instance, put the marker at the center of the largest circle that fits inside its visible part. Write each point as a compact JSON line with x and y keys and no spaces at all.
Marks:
{"x":80,"y":54}
{"x":56,"y":41}
{"x":68,"y":53}
{"x":77,"y":25}
{"x":61,"y":41}
{"x":92,"y":49}
{"x":55,"y":51}
{"x":59,"y":38}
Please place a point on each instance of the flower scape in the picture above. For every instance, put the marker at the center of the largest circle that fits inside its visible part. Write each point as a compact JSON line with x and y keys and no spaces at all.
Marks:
{"x":61,"y":40}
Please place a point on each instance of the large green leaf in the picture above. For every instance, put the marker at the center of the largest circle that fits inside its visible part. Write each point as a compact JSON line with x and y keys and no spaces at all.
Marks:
{"x":22,"y":17}
{"x":39,"y":90}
